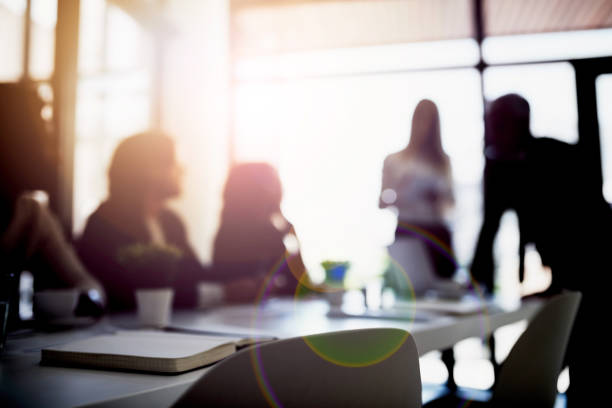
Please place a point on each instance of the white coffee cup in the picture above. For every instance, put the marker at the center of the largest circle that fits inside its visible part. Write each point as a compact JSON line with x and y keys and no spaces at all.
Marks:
{"x":335,"y":297}
{"x":210,"y":294}
{"x":56,"y":303}
{"x":154,"y":306}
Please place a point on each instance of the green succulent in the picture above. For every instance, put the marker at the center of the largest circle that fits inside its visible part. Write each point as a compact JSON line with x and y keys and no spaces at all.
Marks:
{"x":154,"y":264}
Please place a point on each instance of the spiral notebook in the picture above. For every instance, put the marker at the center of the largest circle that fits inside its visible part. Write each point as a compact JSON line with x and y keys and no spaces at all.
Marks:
{"x":149,"y":351}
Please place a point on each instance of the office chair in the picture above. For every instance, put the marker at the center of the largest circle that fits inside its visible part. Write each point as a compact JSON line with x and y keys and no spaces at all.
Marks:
{"x":323,"y":370}
{"x":528,"y":376}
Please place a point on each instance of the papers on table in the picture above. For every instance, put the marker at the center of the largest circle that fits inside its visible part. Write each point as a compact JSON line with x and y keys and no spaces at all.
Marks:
{"x":419,"y":310}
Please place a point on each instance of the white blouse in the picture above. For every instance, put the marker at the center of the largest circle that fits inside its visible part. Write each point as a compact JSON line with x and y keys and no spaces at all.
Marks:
{"x":420,"y":192}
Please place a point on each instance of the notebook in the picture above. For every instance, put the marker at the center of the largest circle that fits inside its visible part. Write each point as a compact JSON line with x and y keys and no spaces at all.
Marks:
{"x":150,"y":351}
{"x":391,"y":314}
{"x":419,"y":310}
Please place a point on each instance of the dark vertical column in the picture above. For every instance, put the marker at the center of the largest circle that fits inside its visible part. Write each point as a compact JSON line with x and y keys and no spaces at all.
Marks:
{"x":588,"y":122}
{"x":64,"y":101}
{"x":27,"y":29}
{"x":479,"y":35}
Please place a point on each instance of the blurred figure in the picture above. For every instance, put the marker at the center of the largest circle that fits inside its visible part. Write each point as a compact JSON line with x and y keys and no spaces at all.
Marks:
{"x":418,"y":182}
{"x":542,"y":180}
{"x":143,"y":176}
{"x":31,"y":237}
{"x":507,"y":140}
{"x":254,"y":238}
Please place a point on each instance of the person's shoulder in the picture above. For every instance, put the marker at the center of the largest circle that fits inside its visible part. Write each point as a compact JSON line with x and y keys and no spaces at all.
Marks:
{"x":97,"y":218}
{"x":394,"y":160}
{"x":172,"y":222}
{"x":552,"y":149}
{"x":550,"y":143}
{"x":395,"y":156}
{"x":99,"y":228}
{"x":170,"y":215}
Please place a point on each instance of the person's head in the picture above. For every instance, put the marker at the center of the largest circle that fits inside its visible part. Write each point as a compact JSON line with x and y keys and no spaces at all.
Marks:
{"x":425,"y":141}
{"x":252,"y":191}
{"x":26,"y":144}
{"x":507,"y":127}
{"x":144,"y":169}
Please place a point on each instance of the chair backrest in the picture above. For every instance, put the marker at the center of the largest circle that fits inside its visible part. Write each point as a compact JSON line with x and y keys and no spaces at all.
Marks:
{"x":411,"y":255}
{"x":528,"y":377}
{"x":355,"y":368}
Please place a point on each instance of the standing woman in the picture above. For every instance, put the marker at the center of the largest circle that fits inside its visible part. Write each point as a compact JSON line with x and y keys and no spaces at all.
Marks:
{"x":417,"y":181}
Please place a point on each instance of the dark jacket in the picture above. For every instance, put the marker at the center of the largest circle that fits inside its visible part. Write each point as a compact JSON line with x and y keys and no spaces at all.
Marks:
{"x":558,"y":209}
{"x":256,"y":249}
{"x":108,"y":230}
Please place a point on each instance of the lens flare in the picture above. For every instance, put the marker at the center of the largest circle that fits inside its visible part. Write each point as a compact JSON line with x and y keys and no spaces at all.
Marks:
{"x":346,"y":355}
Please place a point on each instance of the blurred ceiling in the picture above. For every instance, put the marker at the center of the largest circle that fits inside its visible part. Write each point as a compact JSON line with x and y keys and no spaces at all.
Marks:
{"x":263,"y":27}
{"x":506,"y":17}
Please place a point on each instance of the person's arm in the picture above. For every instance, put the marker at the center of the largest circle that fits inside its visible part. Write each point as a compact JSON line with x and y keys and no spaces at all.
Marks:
{"x":483,"y":263}
{"x":56,"y":254}
{"x":278,"y":270}
{"x":388,"y":195}
{"x":444,"y":196}
{"x":449,"y":194}
{"x":191,"y":270}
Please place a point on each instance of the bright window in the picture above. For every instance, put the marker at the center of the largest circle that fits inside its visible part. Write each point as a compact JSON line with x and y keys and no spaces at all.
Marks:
{"x":42,"y":38}
{"x":12,"y":14}
{"x":604,"y":113}
{"x":113,"y":97}
{"x":547,"y":46}
{"x":550,"y":90}
{"x":328,"y":136}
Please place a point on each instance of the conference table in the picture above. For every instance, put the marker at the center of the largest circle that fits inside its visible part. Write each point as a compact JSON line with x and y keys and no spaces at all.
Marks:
{"x":23,"y":379}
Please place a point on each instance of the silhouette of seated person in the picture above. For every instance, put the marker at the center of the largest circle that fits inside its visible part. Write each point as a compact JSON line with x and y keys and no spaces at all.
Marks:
{"x":143,"y":176}
{"x":417,"y":181}
{"x":31,"y":237}
{"x":256,"y":247}
{"x":544,"y":182}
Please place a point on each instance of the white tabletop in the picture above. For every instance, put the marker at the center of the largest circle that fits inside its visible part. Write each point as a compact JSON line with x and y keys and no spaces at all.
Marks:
{"x":23,"y":377}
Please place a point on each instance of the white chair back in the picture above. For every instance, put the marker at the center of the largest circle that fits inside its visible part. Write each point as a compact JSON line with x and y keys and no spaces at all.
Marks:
{"x":316,"y":371}
{"x":528,"y":377}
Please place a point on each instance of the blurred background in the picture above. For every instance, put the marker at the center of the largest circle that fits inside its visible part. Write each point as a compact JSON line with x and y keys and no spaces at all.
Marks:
{"x":322,"y":89}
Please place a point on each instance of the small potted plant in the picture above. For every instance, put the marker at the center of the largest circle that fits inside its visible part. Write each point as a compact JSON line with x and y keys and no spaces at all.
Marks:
{"x":150,"y":265}
{"x":335,"y":274}
{"x":152,"y":270}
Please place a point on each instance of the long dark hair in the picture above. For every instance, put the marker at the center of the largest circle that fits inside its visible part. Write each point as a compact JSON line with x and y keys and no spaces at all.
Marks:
{"x":252,"y":192}
{"x":27,"y":159}
{"x":128,"y":174}
{"x":425,"y":141}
